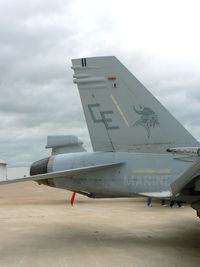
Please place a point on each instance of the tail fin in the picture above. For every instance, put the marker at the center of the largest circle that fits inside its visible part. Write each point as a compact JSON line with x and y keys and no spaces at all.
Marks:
{"x":121,"y":114}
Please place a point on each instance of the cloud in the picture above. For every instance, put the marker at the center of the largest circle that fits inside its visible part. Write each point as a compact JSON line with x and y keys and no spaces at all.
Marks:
{"x":38,"y":39}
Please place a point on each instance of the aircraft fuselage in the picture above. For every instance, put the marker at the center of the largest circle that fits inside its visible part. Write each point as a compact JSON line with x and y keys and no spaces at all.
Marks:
{"x":137,"y":173}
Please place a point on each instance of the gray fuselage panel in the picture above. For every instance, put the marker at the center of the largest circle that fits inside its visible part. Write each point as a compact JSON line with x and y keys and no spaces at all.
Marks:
{"x":141,"y":172}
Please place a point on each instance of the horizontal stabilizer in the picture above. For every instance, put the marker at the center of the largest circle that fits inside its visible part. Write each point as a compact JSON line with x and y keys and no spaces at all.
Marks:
{"x":186,"y":178}
{"x":61,"y":174}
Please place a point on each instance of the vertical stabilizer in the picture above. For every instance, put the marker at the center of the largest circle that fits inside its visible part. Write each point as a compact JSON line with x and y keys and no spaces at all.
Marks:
{"x":121,"y":114}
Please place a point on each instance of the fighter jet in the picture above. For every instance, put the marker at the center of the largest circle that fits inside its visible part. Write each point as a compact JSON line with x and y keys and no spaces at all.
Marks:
{"x":139,"y":148}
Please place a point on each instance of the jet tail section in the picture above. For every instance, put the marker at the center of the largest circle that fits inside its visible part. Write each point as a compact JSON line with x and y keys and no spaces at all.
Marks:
{"x":121,"y":114}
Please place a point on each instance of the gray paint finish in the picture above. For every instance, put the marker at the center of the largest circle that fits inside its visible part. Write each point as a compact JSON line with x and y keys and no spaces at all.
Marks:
{"x":139,"y":173}
{"x":121,"y":114}
{"x":131,"y":133}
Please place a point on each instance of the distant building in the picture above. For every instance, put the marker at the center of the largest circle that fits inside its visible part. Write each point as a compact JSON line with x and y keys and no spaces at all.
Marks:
{"x":17,"y":172}
{"x":7,"y":173}
{"x":3,"y":169}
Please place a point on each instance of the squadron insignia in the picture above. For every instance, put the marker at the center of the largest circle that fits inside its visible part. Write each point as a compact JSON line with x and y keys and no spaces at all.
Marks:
{"x":148,"y":119}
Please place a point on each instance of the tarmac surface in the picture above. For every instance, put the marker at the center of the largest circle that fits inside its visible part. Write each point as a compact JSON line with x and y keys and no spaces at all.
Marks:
{"x":38,"y":227}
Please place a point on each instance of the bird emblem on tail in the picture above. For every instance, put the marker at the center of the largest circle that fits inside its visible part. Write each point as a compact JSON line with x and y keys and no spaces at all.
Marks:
{"x":148,"y":119}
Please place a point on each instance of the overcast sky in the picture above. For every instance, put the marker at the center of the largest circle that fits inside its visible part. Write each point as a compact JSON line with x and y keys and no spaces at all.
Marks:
{"x":158,"y":40}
